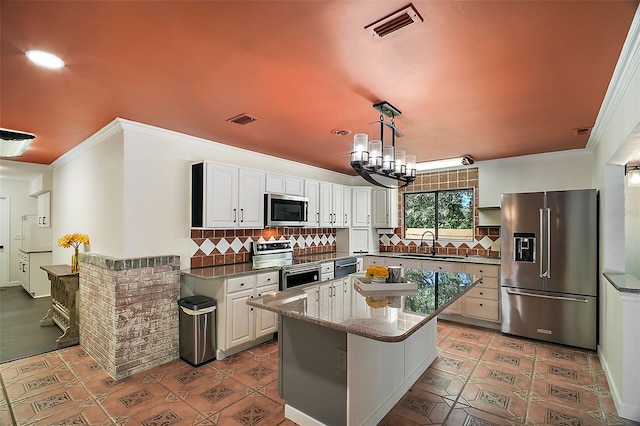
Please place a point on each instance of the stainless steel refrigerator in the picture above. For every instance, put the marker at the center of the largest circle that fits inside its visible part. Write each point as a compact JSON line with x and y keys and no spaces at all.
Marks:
{"x":549,"y":266}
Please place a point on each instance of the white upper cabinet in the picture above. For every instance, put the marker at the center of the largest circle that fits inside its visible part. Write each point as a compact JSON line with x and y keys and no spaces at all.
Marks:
{"x":221,"y":196}
{"x":361,"y":206}
{"x":346,"y":204}
{"x":385,"y":208}
{"x":226,"y":197}
{"x":44,"y":210}
{"x":331,"y":205}
{"x":312,"y":193}
{"x":283,"y":184}
{"x":250,"y":198}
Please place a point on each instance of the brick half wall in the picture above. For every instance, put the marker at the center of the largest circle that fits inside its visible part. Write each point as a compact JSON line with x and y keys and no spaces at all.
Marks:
{"x":129,"y":311}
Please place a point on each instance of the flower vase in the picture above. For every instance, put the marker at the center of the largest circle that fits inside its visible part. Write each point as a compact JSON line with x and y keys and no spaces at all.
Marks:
{"x":75,"y":263}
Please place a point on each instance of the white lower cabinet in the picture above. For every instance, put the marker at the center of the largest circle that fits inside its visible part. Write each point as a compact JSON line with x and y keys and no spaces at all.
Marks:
{"x":330,"y":300}
{"x":481,"y":302}
{"x":244,"y":323}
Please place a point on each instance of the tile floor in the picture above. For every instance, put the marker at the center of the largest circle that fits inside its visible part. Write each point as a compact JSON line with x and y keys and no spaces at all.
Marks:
{"x":480,"y":377}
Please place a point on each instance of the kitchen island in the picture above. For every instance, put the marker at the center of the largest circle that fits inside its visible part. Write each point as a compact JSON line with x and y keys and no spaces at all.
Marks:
{"x":344,"y":362}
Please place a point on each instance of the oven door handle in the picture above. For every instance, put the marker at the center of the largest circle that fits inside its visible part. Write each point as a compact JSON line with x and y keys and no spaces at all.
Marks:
{"x":347,"y":265}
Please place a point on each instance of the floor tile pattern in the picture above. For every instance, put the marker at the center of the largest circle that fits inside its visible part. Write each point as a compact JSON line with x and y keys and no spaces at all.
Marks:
{"x":480,"y":378}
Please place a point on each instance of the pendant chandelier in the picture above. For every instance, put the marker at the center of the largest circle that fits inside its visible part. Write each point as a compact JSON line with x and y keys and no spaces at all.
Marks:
{"x":371,"y":157}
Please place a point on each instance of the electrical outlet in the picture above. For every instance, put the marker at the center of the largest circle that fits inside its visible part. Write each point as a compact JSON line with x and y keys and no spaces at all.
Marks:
{"x":341,"y":359}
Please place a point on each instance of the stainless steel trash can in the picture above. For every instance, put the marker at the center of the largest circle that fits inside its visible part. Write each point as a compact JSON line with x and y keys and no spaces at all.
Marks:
{"x":197,"y":329}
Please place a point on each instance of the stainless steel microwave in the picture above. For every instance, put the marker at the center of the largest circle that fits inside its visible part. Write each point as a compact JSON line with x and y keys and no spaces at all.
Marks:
{"x":285,"y":210}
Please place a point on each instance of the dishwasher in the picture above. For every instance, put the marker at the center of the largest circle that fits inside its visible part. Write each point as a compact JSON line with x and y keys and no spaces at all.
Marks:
{"x":343,"y":267}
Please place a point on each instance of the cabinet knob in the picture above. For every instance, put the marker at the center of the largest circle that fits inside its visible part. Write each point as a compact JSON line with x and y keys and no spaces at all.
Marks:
{"x":241,"y":284}
{"x":268,"y":279}
{"x":481,"y":304}
{"x":481,"y":293}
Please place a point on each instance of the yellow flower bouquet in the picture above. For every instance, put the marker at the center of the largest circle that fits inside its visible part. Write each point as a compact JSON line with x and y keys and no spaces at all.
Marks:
{"x":376,"y":271}
{"x":74,"y":240}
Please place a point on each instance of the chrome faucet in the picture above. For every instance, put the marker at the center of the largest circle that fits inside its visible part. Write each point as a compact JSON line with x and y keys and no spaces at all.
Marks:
{"x":433,"y":241}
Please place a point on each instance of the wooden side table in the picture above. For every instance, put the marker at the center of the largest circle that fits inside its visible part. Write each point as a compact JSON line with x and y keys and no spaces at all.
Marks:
{"x":63,"y":311}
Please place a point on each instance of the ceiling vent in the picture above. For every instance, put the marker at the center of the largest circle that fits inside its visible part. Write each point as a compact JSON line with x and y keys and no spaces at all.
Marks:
{"x":242,"y":119}
{"x":394,"y":22}
{"x":582,"y":131}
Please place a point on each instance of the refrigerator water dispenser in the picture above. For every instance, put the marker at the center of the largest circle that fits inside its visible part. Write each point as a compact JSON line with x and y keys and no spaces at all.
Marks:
{"x":525,"y":247}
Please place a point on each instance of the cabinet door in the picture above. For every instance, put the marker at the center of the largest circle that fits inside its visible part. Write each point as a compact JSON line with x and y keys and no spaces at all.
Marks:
{"x":294,"y":186}
{"x":44,"y":210}
{"x":347,"y":290}
{"x":312,"y":192}
{"x":361,"y":207}
{"x":266,"y":321}
{"x":240,"y":320}
{"x":360,"y":239}
{"x":251,"y":199}
{"x":325,"y":294}
{"x":338,"y":206}
{"x":337,"y":300}
{"x":326,"y":207}
{"x":275,"y":184}
{"x":346,"y":205}
{"x":385,"y":208}
{"x":221,"y":196}
{"x":313,"y":300}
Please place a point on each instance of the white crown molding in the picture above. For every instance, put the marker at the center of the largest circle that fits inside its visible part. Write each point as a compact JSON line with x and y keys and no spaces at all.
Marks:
{"x":625,"y":70}
{"x":91,"y":142}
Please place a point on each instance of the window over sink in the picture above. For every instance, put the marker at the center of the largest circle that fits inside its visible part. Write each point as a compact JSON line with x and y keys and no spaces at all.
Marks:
{"x":447,"y":213}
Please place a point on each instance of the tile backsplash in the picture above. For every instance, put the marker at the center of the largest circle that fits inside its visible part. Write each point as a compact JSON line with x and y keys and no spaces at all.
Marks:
{"x":223,"y":247}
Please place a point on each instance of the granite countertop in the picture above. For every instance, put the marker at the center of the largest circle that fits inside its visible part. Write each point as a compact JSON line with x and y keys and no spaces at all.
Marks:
{"x":416,"y":309}
{"x":444,"y":258}
{"x":36,"y":250}
{"x":238,"y":269}
{"x":624,"y":283}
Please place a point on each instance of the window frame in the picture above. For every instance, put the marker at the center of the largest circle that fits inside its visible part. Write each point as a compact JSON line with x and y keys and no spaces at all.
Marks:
{"x":437,"y":191}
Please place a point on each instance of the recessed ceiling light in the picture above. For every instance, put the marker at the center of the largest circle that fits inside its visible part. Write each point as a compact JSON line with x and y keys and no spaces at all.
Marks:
{"x":45,"y":59}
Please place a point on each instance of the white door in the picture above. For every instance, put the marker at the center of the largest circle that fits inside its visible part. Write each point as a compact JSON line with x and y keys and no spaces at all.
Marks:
{"x":380,"y":208}
{"x":239,"y":318}
{"x":338,"y":206}
{"x":312,"y":192}
{"x":221,"y":199}
{"x":5,"y":240}
{"x":361,"y":211}
{"x":326,"y":201}
{"x":266,"y":321}
{"x":251,"y":199}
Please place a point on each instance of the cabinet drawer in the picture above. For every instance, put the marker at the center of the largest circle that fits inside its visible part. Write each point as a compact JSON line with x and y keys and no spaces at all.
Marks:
{"x":443,"y":266}
{"x":483,"y":270}
{"x":489,"y":283}
{"x":482,"y":309}
{"x":241,"y":283}
{"x":268,"y":278}
{"x":483,"y":293}
{"x":263,"y":291}
{"x":327,"y":267}
{"x":454,"y":308}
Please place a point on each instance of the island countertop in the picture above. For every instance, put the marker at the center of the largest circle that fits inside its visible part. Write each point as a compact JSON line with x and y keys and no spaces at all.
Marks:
{"x":435,"y":292}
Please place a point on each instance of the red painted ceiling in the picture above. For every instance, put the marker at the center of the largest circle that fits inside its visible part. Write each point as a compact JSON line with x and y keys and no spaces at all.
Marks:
{"x":489,"y":79}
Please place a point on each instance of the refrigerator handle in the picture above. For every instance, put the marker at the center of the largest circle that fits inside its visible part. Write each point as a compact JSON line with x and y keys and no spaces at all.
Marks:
{"x":548,"y":243}
{"x":542,"y":273}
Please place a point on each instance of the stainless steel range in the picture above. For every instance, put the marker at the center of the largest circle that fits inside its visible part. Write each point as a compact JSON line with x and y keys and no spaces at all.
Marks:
{"x":267,"y":254}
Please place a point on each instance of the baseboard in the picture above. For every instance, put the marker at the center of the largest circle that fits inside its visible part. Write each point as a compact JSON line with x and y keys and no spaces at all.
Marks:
{"x":299,"y":417}
{"x":624,"y":410}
